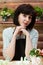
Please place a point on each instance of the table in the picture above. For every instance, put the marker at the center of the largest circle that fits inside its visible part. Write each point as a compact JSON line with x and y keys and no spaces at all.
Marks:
{"x":4,"y":62}
{"x":19,"y":63}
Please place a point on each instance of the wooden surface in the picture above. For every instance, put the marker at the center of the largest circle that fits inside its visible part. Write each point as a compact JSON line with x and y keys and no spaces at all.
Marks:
{"x":14,"y":5}
{"x":21,"y":0}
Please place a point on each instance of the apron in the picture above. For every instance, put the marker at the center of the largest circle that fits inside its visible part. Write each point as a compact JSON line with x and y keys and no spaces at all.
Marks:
{"x":19,"y":49}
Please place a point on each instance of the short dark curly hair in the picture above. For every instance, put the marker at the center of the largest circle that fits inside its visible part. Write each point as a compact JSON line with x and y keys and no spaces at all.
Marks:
{"x":25,"y":9}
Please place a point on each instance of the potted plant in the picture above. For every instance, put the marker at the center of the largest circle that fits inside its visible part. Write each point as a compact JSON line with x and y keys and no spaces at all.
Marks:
{"x":5,"y":13}
{"x":39,"y":12}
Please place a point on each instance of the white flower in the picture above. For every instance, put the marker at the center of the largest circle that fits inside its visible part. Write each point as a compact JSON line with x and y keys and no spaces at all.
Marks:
{"x":35,"y":60}
{"x":38,"y":60}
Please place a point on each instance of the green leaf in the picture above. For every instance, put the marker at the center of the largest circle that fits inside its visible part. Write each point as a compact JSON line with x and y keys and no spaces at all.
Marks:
{"x":34,"y":52}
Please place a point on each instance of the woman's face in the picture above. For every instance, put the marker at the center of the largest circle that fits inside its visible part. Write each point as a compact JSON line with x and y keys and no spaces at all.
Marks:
{"x":24,"y":20}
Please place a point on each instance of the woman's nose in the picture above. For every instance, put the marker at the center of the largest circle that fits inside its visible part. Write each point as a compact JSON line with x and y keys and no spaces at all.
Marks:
{"x":27,"y":19}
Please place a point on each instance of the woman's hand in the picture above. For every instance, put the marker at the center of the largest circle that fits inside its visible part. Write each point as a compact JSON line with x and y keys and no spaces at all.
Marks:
{"x":40,"y":52}
{"x":25,"y":32}
{"x":17,"y":30}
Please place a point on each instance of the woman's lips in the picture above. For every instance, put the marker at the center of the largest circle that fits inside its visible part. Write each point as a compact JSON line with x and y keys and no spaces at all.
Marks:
{"x":25,"y":23}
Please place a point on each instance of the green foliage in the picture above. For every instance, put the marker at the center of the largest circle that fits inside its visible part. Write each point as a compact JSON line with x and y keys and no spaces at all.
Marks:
{"x":39,"y":11}
{"x":6,"y":13}
{"x":34,"y":52}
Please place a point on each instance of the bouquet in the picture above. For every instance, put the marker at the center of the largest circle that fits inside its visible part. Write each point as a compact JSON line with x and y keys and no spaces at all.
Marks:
{"x":36,"y":52}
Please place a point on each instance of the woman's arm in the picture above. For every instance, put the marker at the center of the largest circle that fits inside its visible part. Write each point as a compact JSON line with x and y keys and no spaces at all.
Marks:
{"x":28,"y":42}
{"x":28,"y":45}
{"x":31,"y":42}
{"x":9,"y":44}
{"x":33,"y":39}
{"x":8,"y":47}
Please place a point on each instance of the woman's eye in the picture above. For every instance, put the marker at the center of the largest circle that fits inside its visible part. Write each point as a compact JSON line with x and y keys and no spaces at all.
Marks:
{"x":30,"y":17}
{"x":24,"y":15}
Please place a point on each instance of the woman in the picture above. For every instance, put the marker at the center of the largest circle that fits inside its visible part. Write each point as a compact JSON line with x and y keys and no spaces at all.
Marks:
{"x":19,"y":40}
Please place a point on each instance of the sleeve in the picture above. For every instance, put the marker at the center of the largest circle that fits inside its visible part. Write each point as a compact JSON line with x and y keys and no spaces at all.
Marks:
{"x":35,"y":39}
{"x":6,"y":41}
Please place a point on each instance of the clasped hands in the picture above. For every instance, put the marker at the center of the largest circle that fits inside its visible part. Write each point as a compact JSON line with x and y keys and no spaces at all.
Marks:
{"x":20,"y":30}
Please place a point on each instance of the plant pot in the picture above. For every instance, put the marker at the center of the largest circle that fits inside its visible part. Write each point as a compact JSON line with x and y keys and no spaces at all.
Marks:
{"x":5,"y":18}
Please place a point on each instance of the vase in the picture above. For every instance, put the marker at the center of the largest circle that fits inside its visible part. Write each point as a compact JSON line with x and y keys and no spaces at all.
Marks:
{"x":5,"y":19}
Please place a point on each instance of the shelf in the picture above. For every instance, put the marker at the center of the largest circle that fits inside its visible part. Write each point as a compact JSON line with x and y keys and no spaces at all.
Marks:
{"x":7,"y":22}
{"x":11,"y":22}
{"x":39,"y":22}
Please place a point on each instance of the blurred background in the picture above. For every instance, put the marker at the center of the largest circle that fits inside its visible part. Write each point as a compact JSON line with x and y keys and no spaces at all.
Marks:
{"x":7,"y":8}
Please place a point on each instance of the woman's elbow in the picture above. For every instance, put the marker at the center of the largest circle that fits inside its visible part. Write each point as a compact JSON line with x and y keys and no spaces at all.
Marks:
{"x":6,"y":56}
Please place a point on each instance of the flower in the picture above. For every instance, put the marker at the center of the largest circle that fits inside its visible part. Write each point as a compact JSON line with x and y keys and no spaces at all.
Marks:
{"x":35,"y":52}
